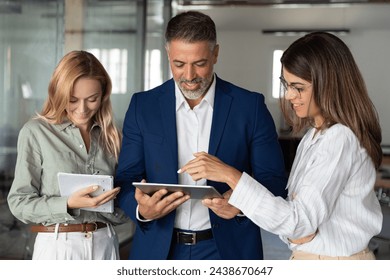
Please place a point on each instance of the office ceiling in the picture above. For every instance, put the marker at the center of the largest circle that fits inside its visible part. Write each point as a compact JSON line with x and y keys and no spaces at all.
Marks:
{"x":259,"y":15}
{"x":271,"y":2}
{"x":241,"y":15}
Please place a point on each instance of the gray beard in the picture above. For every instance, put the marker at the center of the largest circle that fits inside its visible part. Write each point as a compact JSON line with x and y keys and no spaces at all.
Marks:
{"x":195,"y":94}
{"x":192,"y":94}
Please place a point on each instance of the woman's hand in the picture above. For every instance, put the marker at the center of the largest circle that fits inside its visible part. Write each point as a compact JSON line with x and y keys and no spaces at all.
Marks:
{"x":206,"y":166}
{"x":83,"y":198}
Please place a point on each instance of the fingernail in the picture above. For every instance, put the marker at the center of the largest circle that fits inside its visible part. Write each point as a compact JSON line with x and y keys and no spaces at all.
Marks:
{"x":94,"y":187}
{"x":179,"y":171}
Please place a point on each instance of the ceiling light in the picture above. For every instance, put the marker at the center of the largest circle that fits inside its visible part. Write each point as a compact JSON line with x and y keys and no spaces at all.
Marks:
{"x":301,"y":32}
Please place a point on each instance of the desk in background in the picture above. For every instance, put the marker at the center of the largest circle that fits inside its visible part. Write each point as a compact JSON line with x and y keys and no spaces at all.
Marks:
{"x":382,"y":184}
{"x":382,"y":189}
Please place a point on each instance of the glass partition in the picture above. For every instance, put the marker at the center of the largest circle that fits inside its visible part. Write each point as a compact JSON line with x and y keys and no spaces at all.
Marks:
{"x":127,"y":37}
{"x":31,"y":42}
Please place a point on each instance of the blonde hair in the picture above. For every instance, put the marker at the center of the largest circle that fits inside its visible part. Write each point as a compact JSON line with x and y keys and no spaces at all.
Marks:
{"x":73,"y":66}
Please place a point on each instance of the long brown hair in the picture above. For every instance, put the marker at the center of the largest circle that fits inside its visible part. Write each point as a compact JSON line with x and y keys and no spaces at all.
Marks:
{"x":338,"y":88}
{"x":73,"y":66}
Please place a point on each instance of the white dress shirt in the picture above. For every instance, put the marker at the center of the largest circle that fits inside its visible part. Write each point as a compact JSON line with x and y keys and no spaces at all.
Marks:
{"x":193,"y":135}
{"x":330,"y":189}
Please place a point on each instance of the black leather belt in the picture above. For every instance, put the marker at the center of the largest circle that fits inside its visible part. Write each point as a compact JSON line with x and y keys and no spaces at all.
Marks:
{"x":191,"y":237}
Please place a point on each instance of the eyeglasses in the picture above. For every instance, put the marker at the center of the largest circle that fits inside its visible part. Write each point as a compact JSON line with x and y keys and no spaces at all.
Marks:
{"x":296,"y":88}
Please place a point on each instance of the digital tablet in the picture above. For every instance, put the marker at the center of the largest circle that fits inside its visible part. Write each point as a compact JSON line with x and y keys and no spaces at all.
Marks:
{"x":71,"y":182}
{"x":195,"y":192}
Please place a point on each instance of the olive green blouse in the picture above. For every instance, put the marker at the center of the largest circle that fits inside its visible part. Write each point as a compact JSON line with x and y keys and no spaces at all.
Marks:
{"x":44,"y":150}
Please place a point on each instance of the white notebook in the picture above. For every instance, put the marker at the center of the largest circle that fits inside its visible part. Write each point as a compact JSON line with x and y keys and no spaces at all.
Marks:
{"x":70,"y":182}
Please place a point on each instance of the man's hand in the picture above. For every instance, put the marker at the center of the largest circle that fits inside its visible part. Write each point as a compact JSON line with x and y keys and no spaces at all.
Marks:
{"x":159,"y":204}
{"x":221,"y":207}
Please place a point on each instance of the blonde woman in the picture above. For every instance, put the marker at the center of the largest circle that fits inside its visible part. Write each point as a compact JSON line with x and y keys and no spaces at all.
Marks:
{"x":74,"y":133}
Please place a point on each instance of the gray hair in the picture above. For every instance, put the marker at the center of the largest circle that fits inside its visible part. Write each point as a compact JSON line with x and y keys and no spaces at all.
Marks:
{"x":191,"y":26}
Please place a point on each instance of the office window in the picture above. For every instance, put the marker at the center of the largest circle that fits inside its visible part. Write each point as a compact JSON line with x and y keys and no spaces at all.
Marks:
{"x":115,"y":62}
{"x":276,"y":70}
{"x":153,"y":74}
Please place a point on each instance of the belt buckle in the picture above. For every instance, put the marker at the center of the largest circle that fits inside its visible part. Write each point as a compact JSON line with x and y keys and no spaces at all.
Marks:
{"x":193,"y":237}
{"x":85,"y":227}
{"x":96,"y":226}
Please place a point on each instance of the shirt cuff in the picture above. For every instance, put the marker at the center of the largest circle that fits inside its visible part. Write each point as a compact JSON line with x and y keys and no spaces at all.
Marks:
{"x":247,"y":195}
{"x":139,"y":218}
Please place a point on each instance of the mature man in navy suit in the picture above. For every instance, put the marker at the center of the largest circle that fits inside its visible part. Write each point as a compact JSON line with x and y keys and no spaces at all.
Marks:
{"x":195,"y":111}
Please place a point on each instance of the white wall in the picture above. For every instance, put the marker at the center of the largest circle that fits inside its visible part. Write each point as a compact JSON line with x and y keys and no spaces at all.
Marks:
{"x":371,"y":50}
{"x":246,"y":59}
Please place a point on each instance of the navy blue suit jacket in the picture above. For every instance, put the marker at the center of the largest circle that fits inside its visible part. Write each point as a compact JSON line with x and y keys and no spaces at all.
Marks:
{"x":242,"y":135}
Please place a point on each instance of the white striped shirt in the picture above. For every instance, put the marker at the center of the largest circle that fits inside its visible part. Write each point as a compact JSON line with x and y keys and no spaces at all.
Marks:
{"x":330,"y":189}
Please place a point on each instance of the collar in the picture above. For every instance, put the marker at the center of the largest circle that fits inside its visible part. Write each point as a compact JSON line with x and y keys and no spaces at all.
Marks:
{"x":68,"y":124}
{"x":315,"y":135}
{"x":208,"y":97}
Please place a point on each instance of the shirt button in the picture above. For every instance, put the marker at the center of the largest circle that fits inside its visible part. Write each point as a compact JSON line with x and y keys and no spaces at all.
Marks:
{"x":81,"y":146}
{"x":88,"y":235}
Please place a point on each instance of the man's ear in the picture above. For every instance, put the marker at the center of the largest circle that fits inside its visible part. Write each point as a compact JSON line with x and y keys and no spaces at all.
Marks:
{"x":167,"y":49}
{"x":215,"y":53}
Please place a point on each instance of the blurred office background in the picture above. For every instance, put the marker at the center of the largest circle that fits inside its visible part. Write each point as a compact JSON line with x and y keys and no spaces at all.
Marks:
{"x":128,"y":37}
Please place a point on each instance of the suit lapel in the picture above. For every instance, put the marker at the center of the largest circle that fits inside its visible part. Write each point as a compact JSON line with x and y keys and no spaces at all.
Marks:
{"x":222,"y":105}
{"x":167,"y":104}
